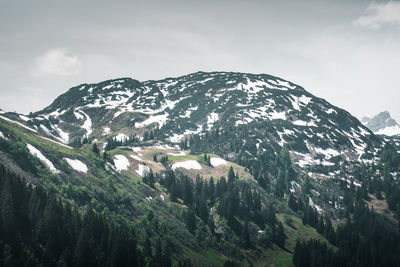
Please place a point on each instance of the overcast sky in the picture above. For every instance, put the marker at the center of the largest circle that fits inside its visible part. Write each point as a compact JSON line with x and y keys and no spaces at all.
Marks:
{"x":346,"y":51}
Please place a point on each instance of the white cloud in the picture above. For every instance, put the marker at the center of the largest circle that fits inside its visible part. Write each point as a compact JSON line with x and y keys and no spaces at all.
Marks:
{"x":378,"y":14}
{"x":56,"y":62}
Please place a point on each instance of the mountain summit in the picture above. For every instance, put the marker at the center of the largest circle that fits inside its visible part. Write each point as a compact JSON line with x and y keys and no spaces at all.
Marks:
{"x":382,"y":123}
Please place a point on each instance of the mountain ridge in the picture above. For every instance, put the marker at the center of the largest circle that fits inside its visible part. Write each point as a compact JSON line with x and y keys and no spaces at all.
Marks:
{"x":198,"y":102}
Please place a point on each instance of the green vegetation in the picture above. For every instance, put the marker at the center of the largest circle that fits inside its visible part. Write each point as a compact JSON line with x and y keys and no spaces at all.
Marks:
{"x":247,"y":217}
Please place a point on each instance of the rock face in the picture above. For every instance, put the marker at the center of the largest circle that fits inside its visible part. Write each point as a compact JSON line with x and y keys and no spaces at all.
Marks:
{"x":382,"y":124}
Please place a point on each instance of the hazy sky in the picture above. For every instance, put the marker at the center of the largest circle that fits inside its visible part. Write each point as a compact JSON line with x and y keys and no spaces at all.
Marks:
{"x":346,"y":51}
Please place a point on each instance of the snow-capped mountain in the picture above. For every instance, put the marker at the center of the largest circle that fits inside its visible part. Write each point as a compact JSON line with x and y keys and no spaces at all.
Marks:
{"x":382,"y":124}
{"x":273,"y":111}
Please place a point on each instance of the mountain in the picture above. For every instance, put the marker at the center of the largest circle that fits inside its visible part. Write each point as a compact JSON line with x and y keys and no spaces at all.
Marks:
{"x":155,"y":155}
{"x":258,"y":113}
{"x":275,"y":111}
{"x":382,"y":124}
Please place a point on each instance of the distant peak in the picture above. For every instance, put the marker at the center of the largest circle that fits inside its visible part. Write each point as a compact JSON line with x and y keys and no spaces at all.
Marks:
{"x":382,"y":123}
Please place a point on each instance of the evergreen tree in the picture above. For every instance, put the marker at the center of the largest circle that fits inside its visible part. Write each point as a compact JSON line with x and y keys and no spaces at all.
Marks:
{"x":231,"y":175}
{"x":95,"y":150}
{"x":147,"y":252}
{"x":190,"y":221}
{"x":245,"y":235}
{"x":292,"y":203}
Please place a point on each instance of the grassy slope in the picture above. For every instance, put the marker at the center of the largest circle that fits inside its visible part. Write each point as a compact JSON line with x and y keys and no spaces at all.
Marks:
{"x":99,"y":184}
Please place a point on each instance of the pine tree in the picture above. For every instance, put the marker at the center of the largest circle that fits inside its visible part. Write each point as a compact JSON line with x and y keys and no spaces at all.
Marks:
{"x":231,"y":175}
{"x":187,"y":192}
{"x":151,"y":136}
{"x":148,"y":178}
{"x":173,"y":192}
{"x":292,"y":202}
{"x":147,"y":252}
{"x":306,"y":185}
{"x":95,"y":150}
{"x":167,"y":251}
{"x":8,"y":259}
{"x":82,"y":253}
{"x":211,"y":189}
{"x":190,"y":220}
{"x":211,"y":224}
{"x":158,"y":256}
{"x":280,"y":236}
{"x":320,"y":226}
{"x":145,"y":136}
{"x":245,"y":235}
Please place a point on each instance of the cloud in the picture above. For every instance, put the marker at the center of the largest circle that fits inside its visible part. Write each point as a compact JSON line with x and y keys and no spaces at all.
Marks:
{"x":378,"y":14}
{"x":56,"y":62}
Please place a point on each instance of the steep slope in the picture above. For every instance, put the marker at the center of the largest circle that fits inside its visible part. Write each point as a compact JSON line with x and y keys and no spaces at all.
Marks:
{"x":144,"y":153}
{"x":316,"y":132}
{"x":256,"y":113}
{"x":116,"y":185}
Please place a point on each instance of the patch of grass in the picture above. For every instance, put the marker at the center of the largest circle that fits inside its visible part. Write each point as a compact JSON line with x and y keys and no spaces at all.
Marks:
{"x":205,"y":258}
{"x":298,"y":231}
{"x":284,"y":261}
{"x":274,"y":256}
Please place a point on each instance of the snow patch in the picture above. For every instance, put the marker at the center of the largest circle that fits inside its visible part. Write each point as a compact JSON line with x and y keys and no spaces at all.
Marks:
{"x":77,"y":165}
{"x":121,"y":163}
{"x":305,"y":99}
{"x":78,"y":116}
{"x":211,"y":119}
{"x":390,"y":130}
{"x":136,"y":157}
{"x":160,"y":119}
{"x":188,"y":164}
{"x":181,"y":153}
{"x":34,"y":151}
{"x":277,"y":115}
{"x":64,"y":136}
{"x":328,"y":153}
{"x":315,"y":206}
{"x":3,"y":136}
{"x":176,"y":138}
{"x":217,"y":162}
{"x":137,"y":150}
{"x":121,"y":137}
{"x":24,"y":118}
{"x":331,"y":110}
{"x":116,"y":114}
{"x":304,"y":123}
{"x":87,"y":125}
{"x":142,"y":170}
{"x":106,"y":130}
